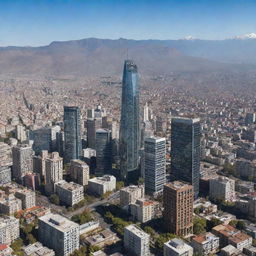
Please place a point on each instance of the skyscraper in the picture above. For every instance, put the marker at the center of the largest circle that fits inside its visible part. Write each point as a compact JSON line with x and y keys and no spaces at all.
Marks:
{"x":130,"y":120}
{"x":185,"y":150}
{"x":72,"y":133}
{"x":155,"y":165}
{"x":178,"y":208}
{"x":103,"y":151}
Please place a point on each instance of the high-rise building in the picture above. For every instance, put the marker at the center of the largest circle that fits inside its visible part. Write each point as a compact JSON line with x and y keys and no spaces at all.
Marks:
{"x":59,"y":234}
{"x":5,"y":163}
{"x":92,"y":124}
{"x":39,"y":163}
{"x":72,"y":132}
{"x":185,"y":150}
{"x":80,"y":172}
{"x":250,"y":118}
{"x":53,"y":171}
{"x":103,"y":151}
{"x":155,"y":165}
{"x":136,"y":241}
{"x":178,"y":208}
{"x":27,"y":197}
{"x":130,"y":120}
{"x":22,"y":161}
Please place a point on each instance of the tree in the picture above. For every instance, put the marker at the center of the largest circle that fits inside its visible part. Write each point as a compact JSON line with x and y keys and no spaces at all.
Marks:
{"x":150,"y":231}
{"x":140,"y":181}
{"x":82,"y":218}
{"x":17,"y":247}
{"x":119,"y":185}
{"x":54,"y":198}
{"x":163,"y":238}
{"x":229,"y":169}
{"x":212,"y":223}
{"x":199,"y":226}
{"x":31,"y":239}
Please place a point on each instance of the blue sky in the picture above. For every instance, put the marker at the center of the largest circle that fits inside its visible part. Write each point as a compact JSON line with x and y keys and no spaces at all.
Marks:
{"x":39,"y":22}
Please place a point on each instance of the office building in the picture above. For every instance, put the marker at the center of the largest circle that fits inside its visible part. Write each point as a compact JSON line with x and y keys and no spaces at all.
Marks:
{"x":92,"y":124}
{"x":53,"y":171}
{"x":177,"y":247}
{"x":155,"y":165}
{"x":178,"y":208}
{"x":27,"y":197}
{"x":70,"y":193}
{"x":136,"y":241}
{"x":59,"y":234}
{"x":37,"y":249}
{"x":20,"y":133}
{"x":10,"y":205}
{"x":5,"y":163}
{"x":72,"y":133}
{"x":249,"y":118}
{"x":79,"y":172}
{"x":39,"y":164}
{"x":185,"y":150}
{"x":9,"y":229}
{"x":103,"y":152}
{"x":130,"y":120}
{"x":206,"y":244}
{"x":129,"y":195}
{"x":222,"y":188}
{"x":22,"y":161}
{"x":145,"y":210}
{"x":101,"y":185}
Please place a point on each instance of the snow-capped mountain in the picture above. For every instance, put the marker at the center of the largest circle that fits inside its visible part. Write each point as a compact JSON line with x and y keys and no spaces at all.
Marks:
{"x":246,"y":36}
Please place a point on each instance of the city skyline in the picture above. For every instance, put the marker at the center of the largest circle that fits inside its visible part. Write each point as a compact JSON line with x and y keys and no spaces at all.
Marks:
{"x":30,"y":23}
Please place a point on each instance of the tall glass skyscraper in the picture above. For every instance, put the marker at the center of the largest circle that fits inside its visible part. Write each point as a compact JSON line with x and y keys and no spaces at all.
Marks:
{"x":130,"y":120}
{"x":72,"y":133}
{"x":185,"y":150}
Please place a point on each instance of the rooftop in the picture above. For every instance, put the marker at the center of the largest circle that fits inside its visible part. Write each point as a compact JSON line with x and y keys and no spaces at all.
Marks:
{"x":137,"y":231}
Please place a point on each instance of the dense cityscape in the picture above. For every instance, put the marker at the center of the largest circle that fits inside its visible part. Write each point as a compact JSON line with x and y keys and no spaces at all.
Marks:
{"x":126,"y":175}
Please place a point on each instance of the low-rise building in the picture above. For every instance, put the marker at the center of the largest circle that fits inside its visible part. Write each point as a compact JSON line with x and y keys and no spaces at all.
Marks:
{"x":69,"y":193}
{"x":230,"y":235}
{"x":10,"y":204}
{"x":101,"y":185}
{"x":9,"y":229}
{"x":230,"y":250}
{"x":5,"y":250}
{"x":145,"y":210}
{"x":27,"y":197}
{"x":250,"y":250}
{"x":130,"y":194}
{"x":88,"y":227}
{"x":177,"y":247}
{"x":136,"y":241}
{"x":205,"y":244}
{"x":37,"y":249}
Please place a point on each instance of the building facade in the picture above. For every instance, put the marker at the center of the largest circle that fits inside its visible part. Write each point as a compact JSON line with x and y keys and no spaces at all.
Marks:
{"x":101,"y":185}
{"x":129,"y":195}
{"x":9,"y":229}
{"x":185,"y":150}
{"x":177,"y":247}
{"x":136,"y":241}
{"x":155,"y":165}
{"x":178,"y":208}
{"x":130,"y":120}
{"x":27,"y":197}
{"x":80,"y":172}
{"x":59,"y":234}
{"x":72,"y":133}
{"x":103,"y":151}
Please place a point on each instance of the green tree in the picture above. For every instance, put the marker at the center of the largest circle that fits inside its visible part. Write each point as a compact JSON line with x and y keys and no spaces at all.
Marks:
{"x":163,"y":238}
{"x":212,"y":223}
{"x":150,"y":231}
{"x":199,"y":225}
{"x":30,"y":239}
{"x":140,"y":181}
{"x":119,"y":185}
{"x":54,"y":199}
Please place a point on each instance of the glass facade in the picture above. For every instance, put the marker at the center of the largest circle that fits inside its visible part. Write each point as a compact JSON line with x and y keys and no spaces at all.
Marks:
{"x":72,"y":133}
{"x":185,"y":150}
{"x":130,"y":120}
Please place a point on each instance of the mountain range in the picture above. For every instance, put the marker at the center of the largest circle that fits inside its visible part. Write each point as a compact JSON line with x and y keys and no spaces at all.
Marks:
{"x":105,"y":57}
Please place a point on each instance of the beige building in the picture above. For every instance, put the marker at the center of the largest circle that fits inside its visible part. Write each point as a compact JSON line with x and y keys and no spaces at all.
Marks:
{"x":80,"y":172}
{"x":177,"y":247}
{"x":10,"y":204}
{"x":101,"y":185}
{"x":9,"y":229}
{"x":27,"y":197}
{"x":129,"y":195}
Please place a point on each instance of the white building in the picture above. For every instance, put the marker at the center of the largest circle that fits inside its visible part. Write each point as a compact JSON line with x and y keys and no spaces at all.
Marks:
{"x":9,"y":229}
{"x":144,"y":210}
{"x":10,"y":204}
{"x":136,"y":241}
{"x":177,"y":247}
{"x":59,"y":234}
{"x":80,"y":172}
{"x":155,"y":165}
{"x":69,"y":193}
{"x":101,"y":185}
{"x":222,"y":188}
{"x":27,"y":197}
{"x":37,"y":249}
{"x":206,"y":244}
{"x":130,"y":194}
